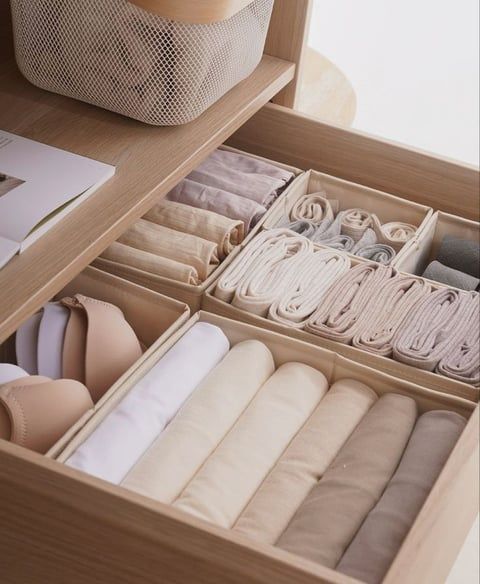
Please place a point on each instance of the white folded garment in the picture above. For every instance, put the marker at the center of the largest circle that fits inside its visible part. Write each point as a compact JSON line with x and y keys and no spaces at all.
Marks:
{"x":26,"y":344}
{"x":50,"y":339}
{"x":9,"y":372}
{"x":127,"y":431}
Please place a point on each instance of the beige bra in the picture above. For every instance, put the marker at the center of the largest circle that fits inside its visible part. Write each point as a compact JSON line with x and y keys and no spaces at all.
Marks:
{"x":36,"y":411}
{"x":99,"y":344}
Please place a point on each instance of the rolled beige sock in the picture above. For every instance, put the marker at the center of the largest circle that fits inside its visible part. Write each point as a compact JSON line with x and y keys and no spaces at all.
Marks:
{"x":304,"y":462}
{"x":385,"y":316}
{"x":355,"y":222}
{"x":328,"y":519}
{"x":378,"y":540}
{"x":341,"y":315}
{"x":226,"y":233}
{"x":180,"y":247}
{"x":434,"y":329}
{"x":394,"y":233}
{"x":230,"y":476}
{"x":145,"y":263}
{"x":313,"y":207}
{"x":214,"y":407}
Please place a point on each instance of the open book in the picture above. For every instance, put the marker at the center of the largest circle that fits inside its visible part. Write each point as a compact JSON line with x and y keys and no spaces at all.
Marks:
{"x":39,"y":185}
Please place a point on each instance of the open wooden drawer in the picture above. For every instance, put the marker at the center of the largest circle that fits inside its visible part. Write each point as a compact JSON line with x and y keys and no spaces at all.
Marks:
{"x":61,"y":526}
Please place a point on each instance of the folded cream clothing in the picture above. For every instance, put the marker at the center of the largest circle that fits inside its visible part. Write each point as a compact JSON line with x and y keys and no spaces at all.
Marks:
{"x":225,"y":203}
{"x":119,"y":254}
{"x":378,"y":252}
{"x":181,"y":247}
{"x":314,"y":276}
{"x":250,"y":164}
{"x":304,"y":462}
{"x":394,"y":233}
{"x":177,"y":454}
{"x":121,"y":438}
{"x":329,"y":517}
{"x":378,"y":540}
{"x":225,"y":232}
{"x":39,"y":410}
{"x":462,"y":362}
{"x":384,"y":317}
{"x":10,"y":372}
{"x":460,"y":254}
{"x":313,"y":207}
{"x":51,"y":334}
{"x":26,"y":344}
{"x":341,"y":314}
{"x":451,"y":277}
{"x":355,"y":222}
{"x":99,"y":344}
{"x":230,"y":476}
{"x":434,"y":328}
{"x":221,"y":172}
{"x":271,"y":274}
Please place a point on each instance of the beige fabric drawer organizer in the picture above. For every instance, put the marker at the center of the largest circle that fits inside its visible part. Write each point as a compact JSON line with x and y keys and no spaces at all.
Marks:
{"x":350,"y":195}
{"x":188,"y":293}
{"x":152,"y":316}
{"x":417,"y":254}
{"x":429,"y":526}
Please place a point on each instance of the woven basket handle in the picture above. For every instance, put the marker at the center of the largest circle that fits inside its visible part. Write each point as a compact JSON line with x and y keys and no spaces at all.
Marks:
{"x":193,"y":11}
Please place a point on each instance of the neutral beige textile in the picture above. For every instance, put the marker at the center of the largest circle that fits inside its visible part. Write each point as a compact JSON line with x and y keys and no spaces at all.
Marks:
{"x":177,"y":454}
{"x":217,"y":200}
{"x":395,"y":233}
{"x":230,"y":476}
{"x":225,"y":232}
{"x":462,"y":362}
{"x":316,"y":273}
{"x":120,"y":254}
{"x":435,"y":328}
{"x":355,"y":222}
{"x":313,"y":207}
{"x":341,"y":314}
{"x":391,"y":307}
{"x":306,"y":459}
{"x":250,"y":164}
{"x":326,"y":522}
{"x":181,"y":247}
{"x":378,"y":540}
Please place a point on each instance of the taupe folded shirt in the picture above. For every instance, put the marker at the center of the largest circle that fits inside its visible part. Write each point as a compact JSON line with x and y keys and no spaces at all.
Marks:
{"x":328,"y":519}
{"x":181,"y":247}
{"x":378,"y":540}
{"x":225,"y":232}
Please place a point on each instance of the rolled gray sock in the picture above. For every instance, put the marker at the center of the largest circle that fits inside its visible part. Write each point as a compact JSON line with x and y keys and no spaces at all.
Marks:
{"x":378,"y":252}
{"x":460,"y":254}
{"x":440,"y":273}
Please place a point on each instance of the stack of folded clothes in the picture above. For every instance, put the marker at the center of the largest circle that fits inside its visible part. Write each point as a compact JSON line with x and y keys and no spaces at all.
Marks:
{"x":187,"y":236}
{"x":356,"y":231}
{"x":457,"y":264}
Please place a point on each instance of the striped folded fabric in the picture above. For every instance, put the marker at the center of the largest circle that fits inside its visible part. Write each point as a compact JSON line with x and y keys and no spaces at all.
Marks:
{"x":341,"y":315}
{"x":315,"y":274}
{"x":435,"y":328}
{"x":391,"y":308}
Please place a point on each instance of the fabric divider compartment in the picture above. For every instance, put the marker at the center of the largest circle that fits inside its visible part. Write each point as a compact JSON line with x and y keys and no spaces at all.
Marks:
{"x":418,"y":253}
{"x":153,"y":318}
{"x":334,"y":367}
{"x":349,"y":195}
{"x":188,"y":293}
{"x":388,"y":365}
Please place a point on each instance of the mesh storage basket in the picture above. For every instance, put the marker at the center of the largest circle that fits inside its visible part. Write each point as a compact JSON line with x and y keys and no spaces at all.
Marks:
{"x":135,"y":61}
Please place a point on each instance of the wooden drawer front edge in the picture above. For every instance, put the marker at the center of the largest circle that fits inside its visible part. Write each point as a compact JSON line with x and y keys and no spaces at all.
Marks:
{"x":277,"y":132}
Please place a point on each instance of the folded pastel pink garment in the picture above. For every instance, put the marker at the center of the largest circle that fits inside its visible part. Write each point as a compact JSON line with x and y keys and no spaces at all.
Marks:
{"x":435,"y":328}
{"x":462,"y":362}
{"x":249,"y":179}
{"x":342,"y":313}
{"x":386,"y":314}
{"x":223,"y":202}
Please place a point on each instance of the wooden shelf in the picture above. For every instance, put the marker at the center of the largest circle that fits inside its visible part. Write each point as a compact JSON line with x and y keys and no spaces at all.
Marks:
{"x":149,"y":162}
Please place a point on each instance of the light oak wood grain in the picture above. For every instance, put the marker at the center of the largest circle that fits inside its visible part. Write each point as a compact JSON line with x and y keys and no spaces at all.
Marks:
{"x":193,"y":11}
{"x":287,"y":39}
{"x":277,"y":132}
{"x":149,"y":161}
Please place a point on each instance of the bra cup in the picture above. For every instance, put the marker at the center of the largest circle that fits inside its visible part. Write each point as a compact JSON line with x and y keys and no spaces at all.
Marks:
{"x":73,"y":358}
{"x":40,"y":415}
{"x":111,"y":345}
{"x":26,"y":343}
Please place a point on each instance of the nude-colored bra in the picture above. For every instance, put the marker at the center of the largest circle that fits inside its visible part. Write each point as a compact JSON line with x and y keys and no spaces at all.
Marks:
{"x":78,"y":338}
{"x":36,"y":411}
